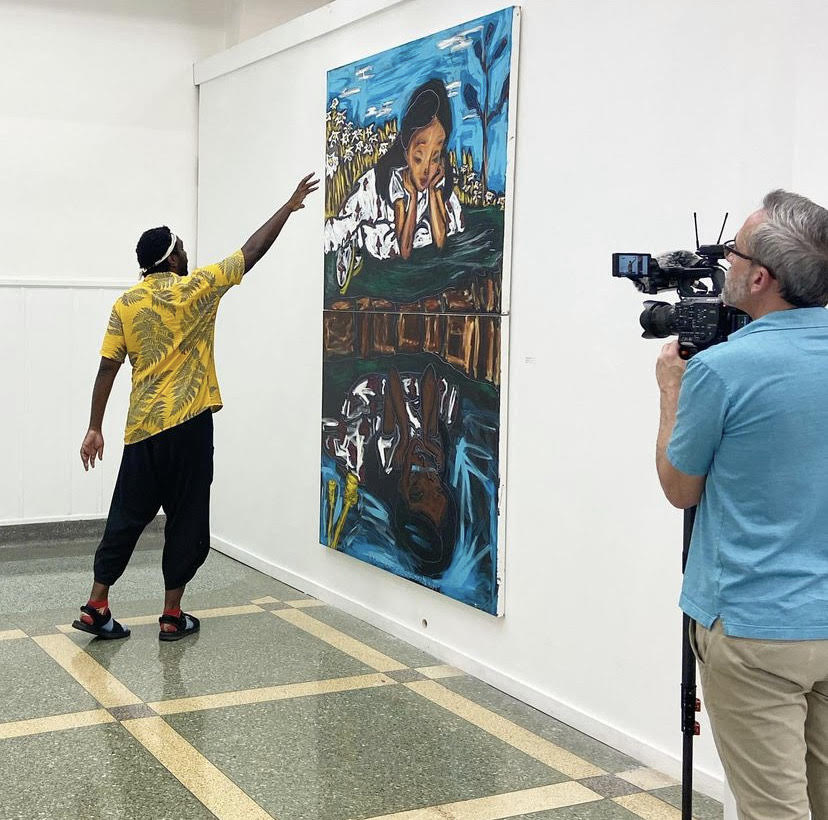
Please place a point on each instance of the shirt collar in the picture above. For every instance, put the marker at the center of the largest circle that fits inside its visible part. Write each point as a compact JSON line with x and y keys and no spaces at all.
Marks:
{"x":785,"y":320}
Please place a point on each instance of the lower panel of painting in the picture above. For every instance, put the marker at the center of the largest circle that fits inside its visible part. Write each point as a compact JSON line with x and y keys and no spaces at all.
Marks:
{"x":411,"y":447}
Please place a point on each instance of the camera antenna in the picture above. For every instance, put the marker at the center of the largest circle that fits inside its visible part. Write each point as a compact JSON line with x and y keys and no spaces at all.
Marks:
{"x":721,"y":232}
{"x":696,"y":226}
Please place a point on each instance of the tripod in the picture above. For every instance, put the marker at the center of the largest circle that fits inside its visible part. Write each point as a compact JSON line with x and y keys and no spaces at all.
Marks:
{"x":690,"y":704}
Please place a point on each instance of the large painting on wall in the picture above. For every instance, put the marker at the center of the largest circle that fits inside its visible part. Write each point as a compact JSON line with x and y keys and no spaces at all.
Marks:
{"x":419,"y":155}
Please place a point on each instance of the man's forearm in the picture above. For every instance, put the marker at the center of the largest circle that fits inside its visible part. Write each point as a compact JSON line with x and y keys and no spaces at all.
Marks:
{"x":667,"y":420}
{"x":682,"y":490}
{"x":100,"y":396}
{"x":259,"y":243}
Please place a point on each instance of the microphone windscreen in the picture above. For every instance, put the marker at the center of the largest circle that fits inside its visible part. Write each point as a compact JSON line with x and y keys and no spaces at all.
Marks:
{"x":679,"y":259}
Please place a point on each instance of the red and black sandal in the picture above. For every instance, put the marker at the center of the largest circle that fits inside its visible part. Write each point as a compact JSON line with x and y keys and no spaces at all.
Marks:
{"x":184,"y":625}
{"x":103,"y":626}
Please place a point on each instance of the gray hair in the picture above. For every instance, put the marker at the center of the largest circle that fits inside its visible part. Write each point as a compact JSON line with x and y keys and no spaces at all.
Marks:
{"x":792,"y":243}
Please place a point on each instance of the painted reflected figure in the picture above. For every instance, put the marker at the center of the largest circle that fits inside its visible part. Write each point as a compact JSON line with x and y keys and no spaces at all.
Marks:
{"x":407,"y":200}
{"x":393,"y":442}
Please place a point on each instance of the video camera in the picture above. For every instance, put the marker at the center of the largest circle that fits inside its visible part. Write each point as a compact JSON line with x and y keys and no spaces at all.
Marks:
{"x":700,"y":319}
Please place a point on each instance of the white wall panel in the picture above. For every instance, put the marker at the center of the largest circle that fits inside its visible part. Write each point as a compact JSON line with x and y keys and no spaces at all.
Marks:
{"x":12,"y":373}
{"x":53,"y":335}
{"x":98,"y":122}
{"x":98,"y":118}
{"x":48,"y":392}
{"x":630,"y":116}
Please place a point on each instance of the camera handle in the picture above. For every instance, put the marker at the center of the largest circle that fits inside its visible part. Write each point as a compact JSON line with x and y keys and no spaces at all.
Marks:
{"x":690,"y":704}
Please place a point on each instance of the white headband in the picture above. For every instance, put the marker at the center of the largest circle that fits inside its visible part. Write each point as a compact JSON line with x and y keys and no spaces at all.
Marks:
{"x":169,"y":251}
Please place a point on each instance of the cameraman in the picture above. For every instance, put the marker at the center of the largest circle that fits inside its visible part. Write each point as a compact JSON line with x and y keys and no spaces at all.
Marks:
{"x":744,"y":434}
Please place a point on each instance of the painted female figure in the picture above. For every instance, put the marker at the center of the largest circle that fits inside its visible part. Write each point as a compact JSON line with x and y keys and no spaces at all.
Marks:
{"x":407,"y":200}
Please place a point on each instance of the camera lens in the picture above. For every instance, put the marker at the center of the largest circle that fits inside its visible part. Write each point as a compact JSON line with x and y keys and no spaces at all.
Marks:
{"x":658,"y":320}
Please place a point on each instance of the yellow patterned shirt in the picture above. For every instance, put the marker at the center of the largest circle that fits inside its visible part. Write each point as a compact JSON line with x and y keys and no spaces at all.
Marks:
{"x":165,"y":324}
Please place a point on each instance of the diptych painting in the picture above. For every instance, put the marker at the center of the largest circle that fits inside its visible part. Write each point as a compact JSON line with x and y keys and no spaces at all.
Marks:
{"x":417,"y":204}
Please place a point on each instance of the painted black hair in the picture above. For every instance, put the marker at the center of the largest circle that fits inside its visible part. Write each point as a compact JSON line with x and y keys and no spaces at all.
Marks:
{"x":152,"y":246}
{"x":428,"y":101}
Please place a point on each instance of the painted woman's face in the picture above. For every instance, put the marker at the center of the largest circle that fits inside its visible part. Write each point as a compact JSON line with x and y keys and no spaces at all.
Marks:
{"x":426,"y":495}
{"x":424,"y":154}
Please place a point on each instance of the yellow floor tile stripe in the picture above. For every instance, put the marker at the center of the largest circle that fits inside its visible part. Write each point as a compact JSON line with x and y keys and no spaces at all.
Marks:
{"x":55,"y":723}
{"x":102,"y":685}
{"x":344,"y":643}
{"x":305,"y":603}
{"x":647,"y":779}
{"x":522,"y":739}
{"x":499,"y":806}
{"x":220,"y":612}
{"x":213,"y":788}
{"x":270,"y":693}
{"x":12,"y":634}
{"x":268,"y":599}
{"x":436,"y":672}
{"x":648,"y":807}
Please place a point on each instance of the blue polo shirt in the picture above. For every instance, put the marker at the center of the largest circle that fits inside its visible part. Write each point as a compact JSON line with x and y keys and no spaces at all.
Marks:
{"x":753,"y":418}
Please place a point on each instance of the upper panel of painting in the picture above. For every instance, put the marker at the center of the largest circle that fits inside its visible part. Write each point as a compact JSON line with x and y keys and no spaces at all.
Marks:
{"x":416,"y":173}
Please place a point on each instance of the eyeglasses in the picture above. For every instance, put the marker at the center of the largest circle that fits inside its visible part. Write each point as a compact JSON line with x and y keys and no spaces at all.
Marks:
{"x":730,"y":248}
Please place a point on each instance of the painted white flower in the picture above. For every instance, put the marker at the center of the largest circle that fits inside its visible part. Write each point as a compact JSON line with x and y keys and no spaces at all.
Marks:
{"x":331,"y":164}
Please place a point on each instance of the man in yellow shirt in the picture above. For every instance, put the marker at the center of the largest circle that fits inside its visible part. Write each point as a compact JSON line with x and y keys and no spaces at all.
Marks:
{"x":165,"y":325}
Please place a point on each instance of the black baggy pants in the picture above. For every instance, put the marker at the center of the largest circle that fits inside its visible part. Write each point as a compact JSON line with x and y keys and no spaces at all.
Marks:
{"x":172,"y":470}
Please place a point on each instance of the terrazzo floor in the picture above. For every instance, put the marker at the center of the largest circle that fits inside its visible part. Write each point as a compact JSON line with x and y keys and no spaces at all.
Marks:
{"x":280,"y":707}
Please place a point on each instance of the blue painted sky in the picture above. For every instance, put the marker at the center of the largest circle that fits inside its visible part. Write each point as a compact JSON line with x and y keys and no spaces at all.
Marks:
{"x":378,"y":88}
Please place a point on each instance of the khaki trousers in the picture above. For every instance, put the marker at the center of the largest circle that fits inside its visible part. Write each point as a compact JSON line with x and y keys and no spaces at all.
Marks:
{"x":768,"y":707}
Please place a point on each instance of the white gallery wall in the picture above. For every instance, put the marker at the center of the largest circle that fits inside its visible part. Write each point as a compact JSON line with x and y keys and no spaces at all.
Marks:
{"x":98,"y":127}
{"x":631,"y":115}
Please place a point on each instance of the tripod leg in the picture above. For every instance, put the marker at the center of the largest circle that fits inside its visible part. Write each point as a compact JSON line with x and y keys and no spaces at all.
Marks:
{"x":689,"y":702}
{"x":689,"y":726}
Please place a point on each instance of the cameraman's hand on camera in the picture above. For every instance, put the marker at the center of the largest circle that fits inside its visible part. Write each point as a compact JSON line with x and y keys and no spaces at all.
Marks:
{"x":670,"y":368}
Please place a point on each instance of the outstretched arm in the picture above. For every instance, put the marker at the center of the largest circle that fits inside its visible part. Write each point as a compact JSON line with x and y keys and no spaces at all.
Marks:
{"x":93,"y":442}
{"x":259,"y":244}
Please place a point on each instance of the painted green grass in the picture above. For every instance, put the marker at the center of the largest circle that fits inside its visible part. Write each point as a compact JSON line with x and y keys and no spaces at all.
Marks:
{"x":477,"y":252}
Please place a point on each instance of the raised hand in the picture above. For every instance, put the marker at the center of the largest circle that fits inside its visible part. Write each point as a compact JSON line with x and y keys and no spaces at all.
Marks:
{"x":93,"y":445}
{"x":306,"y":186}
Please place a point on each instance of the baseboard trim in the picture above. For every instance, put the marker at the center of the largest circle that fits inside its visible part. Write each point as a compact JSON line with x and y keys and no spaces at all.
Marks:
{"x":707,"y":783}
{"x":24,"y":531}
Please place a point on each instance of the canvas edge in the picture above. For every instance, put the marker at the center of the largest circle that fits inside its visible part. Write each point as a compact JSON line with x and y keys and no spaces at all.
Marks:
{"x":511,"y":131}
{"x":502,"y":456}
{"x":505,"y":323}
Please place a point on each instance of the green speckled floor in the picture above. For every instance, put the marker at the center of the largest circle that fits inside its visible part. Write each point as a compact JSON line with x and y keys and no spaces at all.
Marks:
{"x":281,"y":707}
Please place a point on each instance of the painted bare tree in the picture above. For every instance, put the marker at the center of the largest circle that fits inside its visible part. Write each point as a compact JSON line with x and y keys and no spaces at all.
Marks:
{"x":484,"y":112}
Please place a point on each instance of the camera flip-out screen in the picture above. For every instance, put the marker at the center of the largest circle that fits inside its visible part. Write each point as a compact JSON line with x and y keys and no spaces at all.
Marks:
{"x":631,"y":265}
